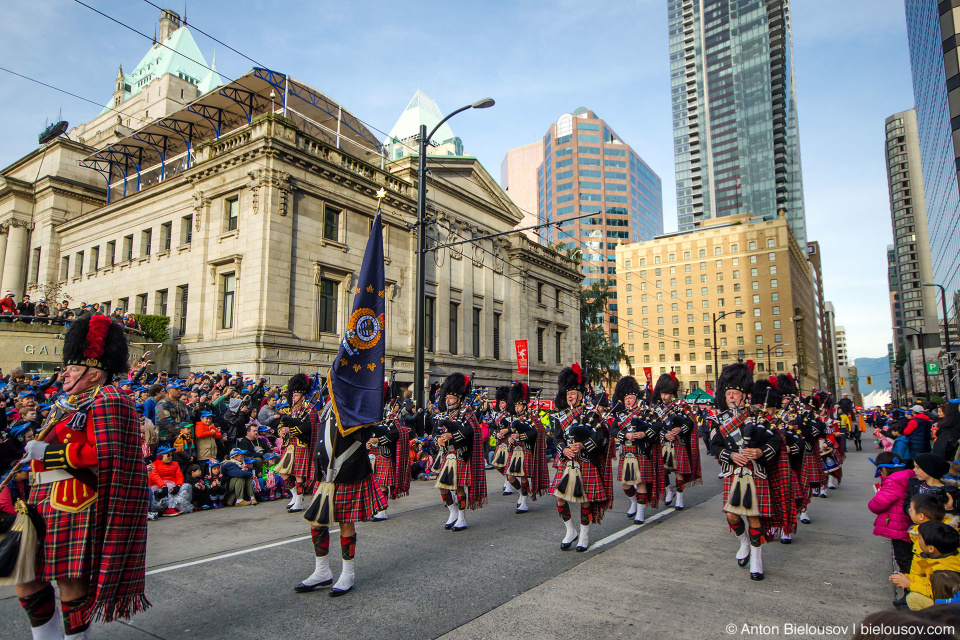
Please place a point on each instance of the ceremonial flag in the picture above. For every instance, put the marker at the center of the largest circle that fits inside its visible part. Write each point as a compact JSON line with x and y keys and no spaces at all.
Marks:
{"x":355,"y":381}
{"x":522,"y":357}
{"x":648,"y":374}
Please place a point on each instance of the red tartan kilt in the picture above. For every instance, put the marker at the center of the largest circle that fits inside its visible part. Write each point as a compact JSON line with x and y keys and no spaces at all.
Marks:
{"x":358,"y":501}
{"x":302,"y":463}
{"x":593,"y":489}
{"x":811,"y":470}
{"x":385,"y":473}
{"x":764,"y":498}
{"x":67,"y":548}
{"x":648,"y":470}
{"x":682,"y":455}
{"x":464,"y":474}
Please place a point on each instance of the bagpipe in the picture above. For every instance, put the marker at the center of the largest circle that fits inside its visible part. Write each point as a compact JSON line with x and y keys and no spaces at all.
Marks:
{"x":741,"y":498}
{"x":285,"y":465}
{"x":445,"y":462}
{"x":591,"y":432}
{"x":630,"y":466}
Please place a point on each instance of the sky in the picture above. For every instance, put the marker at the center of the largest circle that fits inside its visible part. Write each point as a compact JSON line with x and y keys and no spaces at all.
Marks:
{"x":538,"y":61}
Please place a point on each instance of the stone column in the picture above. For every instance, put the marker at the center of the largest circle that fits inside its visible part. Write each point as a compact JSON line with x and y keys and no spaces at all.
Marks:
{"x":4,"y":229}
{"x":13,"y":262}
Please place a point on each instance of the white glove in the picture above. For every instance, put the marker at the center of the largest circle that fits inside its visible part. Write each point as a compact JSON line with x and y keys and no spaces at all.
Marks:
{"x":34,"y":450}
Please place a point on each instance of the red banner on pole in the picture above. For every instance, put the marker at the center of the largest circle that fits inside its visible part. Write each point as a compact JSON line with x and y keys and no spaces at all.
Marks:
{"x":522,"y":357}
{"x":648,"y":373}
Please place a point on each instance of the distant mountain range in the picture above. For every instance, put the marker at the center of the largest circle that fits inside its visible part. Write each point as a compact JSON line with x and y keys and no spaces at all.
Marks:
{"x":878,"y":369}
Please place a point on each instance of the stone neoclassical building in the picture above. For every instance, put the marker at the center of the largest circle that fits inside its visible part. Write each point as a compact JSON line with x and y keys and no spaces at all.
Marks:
{"x":243,"y":216}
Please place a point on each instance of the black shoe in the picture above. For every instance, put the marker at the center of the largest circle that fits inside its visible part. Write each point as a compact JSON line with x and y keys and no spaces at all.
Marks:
{"x":582,"y":549}
{"x":900,"y":602}
{"x":743,"y":562}
{"x":336,"y":593}
{"x":565,"y":546}
{"x":458,"y":529}
{"x":678,"y":508}
{"x":305,"y":588}
{"x":521,"y":510}
{"x":786,"y":540}
{"x":449,"y":526}
{"x":753,"y":576}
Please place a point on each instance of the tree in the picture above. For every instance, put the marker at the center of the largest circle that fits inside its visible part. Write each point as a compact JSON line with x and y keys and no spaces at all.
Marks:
{"x":52,"y":292}
{"x":595,"y":346}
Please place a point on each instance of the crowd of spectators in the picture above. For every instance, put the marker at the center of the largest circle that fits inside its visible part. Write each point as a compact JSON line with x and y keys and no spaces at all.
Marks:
{"x":61,"y":313}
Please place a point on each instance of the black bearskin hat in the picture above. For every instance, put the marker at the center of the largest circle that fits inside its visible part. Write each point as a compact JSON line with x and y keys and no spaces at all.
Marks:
{"x":739,"y":376}
{"x":298,"y":383}
{"x":666,"y":383}
{"x":765,"y":392}
{"x":826,"y":399}
{"x":96,"y":342}
{"x":570,"y":378}
{"x":626,"y":386}
{"x":502,"y":392}
{"x":456,"y":384}
{"x":519,"y":393}
{"x":787,"y":385}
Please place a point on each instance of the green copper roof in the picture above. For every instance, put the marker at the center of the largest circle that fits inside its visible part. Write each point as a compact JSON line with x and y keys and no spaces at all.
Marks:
{"x":181,"y":57}
{"x":421,"y":110}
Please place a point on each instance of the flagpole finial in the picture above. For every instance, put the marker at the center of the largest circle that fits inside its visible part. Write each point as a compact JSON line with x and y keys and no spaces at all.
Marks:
{"x":381,"y":194}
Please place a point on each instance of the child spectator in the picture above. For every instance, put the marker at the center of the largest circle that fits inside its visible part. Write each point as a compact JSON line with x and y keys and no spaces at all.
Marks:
{"x":943,"y":585}
{"x":929,"y":469}
{"x":201,"y":497}
{"x":938,"y":545}
{"x":240,"y":480}
{"x":215,"y":484}
{"x":887,"y":504}
{"x":207,"y":436}
{"x":166,"y":481}
{"x":901,"y":443}
{"x":274,"y":485}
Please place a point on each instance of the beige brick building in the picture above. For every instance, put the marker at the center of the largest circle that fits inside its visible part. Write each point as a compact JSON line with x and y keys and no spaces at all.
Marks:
{"x":252,"y":238}
{"x":676,"y":287}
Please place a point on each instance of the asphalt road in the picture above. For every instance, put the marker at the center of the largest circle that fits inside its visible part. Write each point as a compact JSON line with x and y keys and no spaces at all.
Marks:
{"x":230,"y":573}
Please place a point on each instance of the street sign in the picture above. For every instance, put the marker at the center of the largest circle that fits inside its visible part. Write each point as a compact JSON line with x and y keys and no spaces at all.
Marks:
{"x":853,"y":379}
{"x":841,"y":382}
{"x":933,"y":368}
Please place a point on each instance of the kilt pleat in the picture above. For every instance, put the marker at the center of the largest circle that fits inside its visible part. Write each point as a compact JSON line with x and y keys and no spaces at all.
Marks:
{"x":811,"y":470}
{"x":68,"y":546}
{"x":386,"y":473}
{"x":358,"y":501}
{"x":302,"y":464}
{"x":764,"y":498}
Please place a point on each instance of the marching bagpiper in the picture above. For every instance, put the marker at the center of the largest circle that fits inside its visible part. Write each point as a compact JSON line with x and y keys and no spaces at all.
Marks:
{"x":783,"y":475}
{"x":745,"y":449}
{"x":301,"y":419}
{"x":390,"y":447}
{"x":501,"y":453}
{"x":527,"y":468}
{"x":582,"y":462}
{"x":459,"y":463}
{"x":88,"y":493}
{"x":678,"y":442}
{"x":641,"y":475}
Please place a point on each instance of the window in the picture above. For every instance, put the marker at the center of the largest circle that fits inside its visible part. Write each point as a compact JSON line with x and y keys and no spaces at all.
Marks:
{"x":758,"y":326}
{"x":756,"y":313}
{"x":78,"y":264}
{"x":35,"y":266}
{"x":161,"y":298}
{"x":146,"y":239}
{"x":773,"y":283}
{"x":753,"y":272}
{"x":540,"y":331}
{"x":496,"y":336}
{"x":454,"y":330}
{"x":771,"y":242}
{"x":142,"y":304}
{"x":429,"y":319}
{"x":778,"y":337}
{"x":229,"y":284}
{"x":94,"y":258}
{"x":556,"y":301}
{"x":539,"y":293}
{"x":776,"y":311}
{"x":773,"y":269}
{"x":752,"y":245}
{"x":718,"y":251}
{"x":123,"y":304}
{"x":734,"y":248}
{"x":771,"y":256}
{"x":775,"y":296}
{"x":776,"y":324}
{"x":186,"y":229}
{"x":736,"y":274}
{"x":166,"y":231}
{"x":739,"y":326}
{"x":779,"y":366}
{"x":231,"y":213}
{"x":111,"y":253}
{"x":755,"y":285}
{"x":327,"y":316}
{"x":558,"y":338}
{"x":331,"y":223}
{"x":128,"y":247}
{"x":753,"y":259}
{"x":183,"y":295}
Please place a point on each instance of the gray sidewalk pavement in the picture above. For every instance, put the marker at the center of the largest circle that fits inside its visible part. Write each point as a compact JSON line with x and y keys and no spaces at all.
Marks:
{"x":681,"y":580}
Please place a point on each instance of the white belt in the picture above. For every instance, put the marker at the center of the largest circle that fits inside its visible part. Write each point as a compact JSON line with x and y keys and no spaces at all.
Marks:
{"x":47,"y":477}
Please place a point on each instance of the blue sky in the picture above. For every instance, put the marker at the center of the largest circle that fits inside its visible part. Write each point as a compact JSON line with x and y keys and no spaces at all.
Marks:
{"x":538,"y":60}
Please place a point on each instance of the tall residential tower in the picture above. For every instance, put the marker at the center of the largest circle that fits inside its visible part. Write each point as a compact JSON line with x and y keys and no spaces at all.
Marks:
{"x":736,"y":137}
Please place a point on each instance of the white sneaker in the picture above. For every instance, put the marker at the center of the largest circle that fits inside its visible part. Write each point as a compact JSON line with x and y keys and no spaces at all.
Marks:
{"x":569,"y":536}
{"x":633,"y":506}
{"x":522,"y":505}
{"x":832,"y":482}
{"x":804,"y":518}
{"x":507,"y":489}
{"x":346,"y":581}
{"x":583,"y":543}
{"x":297,"y":505}
{"x":461,"y":523}
{"x":380,"y":516}
{"x":640,"y":509}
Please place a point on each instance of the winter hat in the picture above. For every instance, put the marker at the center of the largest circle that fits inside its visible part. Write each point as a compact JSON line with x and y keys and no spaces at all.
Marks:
{"x":570,"y":379}
{"x":164,"y":449}
{"x":519,"y":394}
{"x":456,"y":384}
{"x":236,"y":451}
{"x":626,"y":386}
{"x":932,"y":465}
{"x":666,"y":383}
{"x":887,"y":460}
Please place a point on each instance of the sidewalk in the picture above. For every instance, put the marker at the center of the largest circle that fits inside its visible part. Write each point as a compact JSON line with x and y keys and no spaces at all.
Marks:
{"x":677,"y":578}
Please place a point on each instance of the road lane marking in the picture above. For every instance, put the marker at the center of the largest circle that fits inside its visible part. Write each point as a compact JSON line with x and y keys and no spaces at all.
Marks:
{"x":231,"y":554}
{"x":634,"y":527}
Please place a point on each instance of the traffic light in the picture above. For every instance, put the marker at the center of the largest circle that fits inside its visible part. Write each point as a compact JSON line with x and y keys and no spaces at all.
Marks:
{"x":841,"y":382}
{"x":869,"y":380}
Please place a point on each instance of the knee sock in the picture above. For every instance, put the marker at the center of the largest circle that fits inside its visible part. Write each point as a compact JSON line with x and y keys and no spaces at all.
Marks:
{"x":756,"y":538}
{"x":299,"y":487}
{"x":348,"y":546}
{"x":515,"y":483}
{"x":630,"y":491}
{"x":679,"y":487}
{"x":462,"y":502}
{"x":74,"y":621}
{"x":321,"y":541}
{"x":641,"y":498}
{"x":738,"y":528}
{"x":524,"y":488}
{"x":40,"y":606}
{"x":447,"y":498}
{"x":586,"y":513}
{"x":564,"y":511}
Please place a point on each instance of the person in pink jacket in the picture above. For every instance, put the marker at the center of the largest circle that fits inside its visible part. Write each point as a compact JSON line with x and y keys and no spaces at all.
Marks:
{"x":891,"y":521}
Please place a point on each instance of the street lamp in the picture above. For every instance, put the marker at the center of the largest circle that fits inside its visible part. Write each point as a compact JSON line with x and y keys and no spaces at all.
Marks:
{"x":946,"y":337}
{"x":418,"y":363}
{"x":926,"y":376}
{"x":770,"y":350}
{"x":716,"y":365}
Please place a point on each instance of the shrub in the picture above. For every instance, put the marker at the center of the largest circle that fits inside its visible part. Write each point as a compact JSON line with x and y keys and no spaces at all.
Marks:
{"x":154,"y":327}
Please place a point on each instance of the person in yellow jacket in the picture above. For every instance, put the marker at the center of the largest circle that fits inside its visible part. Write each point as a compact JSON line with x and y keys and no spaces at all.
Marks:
{"x":939,"y":543}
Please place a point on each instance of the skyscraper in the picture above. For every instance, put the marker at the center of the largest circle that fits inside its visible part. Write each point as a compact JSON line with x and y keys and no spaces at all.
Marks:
{"x":518,"y":177}
{"x":588,"y":169}
{"x":736,"y":137}
{"x":932,"y":30}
